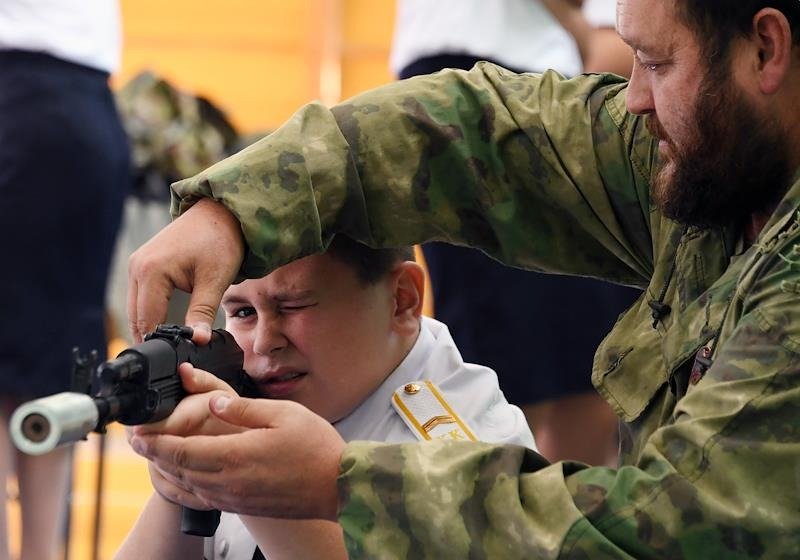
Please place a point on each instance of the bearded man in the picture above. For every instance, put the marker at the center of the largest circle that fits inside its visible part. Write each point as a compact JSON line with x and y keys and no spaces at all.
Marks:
{"x":682,"y":182}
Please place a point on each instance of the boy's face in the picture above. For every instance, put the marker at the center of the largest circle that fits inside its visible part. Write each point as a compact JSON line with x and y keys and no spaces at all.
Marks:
{"x":312,"y":333}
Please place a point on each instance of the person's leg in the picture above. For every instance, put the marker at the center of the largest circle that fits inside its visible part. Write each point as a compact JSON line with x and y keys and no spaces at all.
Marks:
{"x":43,"y":484}
{"x":579,"y":427}
{"x":63,"y":159}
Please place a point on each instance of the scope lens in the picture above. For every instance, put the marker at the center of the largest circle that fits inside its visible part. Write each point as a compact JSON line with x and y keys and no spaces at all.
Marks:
{"x":36,"y":427}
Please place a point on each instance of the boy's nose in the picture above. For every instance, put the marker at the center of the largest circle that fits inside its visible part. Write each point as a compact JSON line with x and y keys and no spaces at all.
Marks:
{"x":268,"y":341}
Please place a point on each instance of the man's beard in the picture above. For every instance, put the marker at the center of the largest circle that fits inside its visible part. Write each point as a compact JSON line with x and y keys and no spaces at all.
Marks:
{"x":732,"y":165}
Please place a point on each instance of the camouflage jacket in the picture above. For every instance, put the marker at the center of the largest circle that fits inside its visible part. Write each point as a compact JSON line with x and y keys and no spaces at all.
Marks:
{"x":553,"y":175}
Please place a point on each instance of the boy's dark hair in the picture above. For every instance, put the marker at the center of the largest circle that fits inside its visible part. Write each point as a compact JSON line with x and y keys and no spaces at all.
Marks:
{"x":717,"y":23}
{"x":370,"y":264}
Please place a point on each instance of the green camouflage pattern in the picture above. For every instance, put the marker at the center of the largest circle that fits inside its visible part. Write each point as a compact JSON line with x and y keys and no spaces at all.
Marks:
{"x":553,"y":175}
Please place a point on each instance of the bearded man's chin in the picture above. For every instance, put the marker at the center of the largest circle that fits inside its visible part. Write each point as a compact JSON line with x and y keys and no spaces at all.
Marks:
{"x":663,"y":189}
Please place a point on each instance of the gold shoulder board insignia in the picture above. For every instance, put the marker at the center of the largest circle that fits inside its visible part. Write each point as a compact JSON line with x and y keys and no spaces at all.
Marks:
{"x":425,"y":411}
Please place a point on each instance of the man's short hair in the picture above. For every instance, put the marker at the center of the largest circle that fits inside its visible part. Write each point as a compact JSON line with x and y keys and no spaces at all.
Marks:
{"x":717,"y":23}
{"x":369,"y":264}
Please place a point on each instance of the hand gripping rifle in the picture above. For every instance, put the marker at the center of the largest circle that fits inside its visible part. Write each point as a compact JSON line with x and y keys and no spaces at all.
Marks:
{"x":140,"y":386}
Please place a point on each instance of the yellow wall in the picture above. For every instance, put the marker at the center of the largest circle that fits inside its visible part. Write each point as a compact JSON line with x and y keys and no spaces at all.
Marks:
{"x":260,"y":60}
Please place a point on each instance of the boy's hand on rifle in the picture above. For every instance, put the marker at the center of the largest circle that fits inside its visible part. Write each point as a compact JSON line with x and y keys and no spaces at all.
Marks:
{"x":284,"y":464}
{"x":200,"y":253}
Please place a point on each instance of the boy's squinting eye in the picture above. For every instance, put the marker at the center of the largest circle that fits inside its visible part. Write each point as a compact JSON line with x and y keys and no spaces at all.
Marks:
{"x":293,"y":308}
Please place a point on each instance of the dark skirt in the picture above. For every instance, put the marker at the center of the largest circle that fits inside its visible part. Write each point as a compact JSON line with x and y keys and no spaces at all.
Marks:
{"x":64,"y":173}
{"x":538,"y":331}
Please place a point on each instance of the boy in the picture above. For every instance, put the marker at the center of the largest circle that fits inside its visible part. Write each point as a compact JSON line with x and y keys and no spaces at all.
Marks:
{"x":342,"y":334}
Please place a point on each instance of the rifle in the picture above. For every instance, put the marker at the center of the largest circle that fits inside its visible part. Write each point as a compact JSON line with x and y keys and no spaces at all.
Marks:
{"x":140,"y":386}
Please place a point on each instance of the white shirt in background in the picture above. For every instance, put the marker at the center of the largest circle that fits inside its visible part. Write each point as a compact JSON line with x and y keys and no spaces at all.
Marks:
{"x":85,"y":32}
{"x":521,"y":34}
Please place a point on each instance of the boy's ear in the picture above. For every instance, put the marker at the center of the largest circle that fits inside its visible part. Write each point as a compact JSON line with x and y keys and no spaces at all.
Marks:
{"x":408,"y":283}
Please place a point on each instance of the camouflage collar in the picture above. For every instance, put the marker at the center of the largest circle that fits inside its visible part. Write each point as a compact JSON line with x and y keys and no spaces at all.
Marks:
{"x":784,"y":212}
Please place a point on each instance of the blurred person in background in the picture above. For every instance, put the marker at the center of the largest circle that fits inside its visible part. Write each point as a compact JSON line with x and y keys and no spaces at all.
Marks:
{"x":509,"y":319}
{"x":64,"y":171}
{"x":591,"y":25}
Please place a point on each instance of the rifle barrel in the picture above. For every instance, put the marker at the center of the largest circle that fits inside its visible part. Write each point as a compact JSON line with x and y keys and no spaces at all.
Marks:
{"x":43,"y":424}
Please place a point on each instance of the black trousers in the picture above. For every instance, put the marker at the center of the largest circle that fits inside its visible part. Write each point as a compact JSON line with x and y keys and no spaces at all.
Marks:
{"x":538,"y":332}
{"x":64,"y":172}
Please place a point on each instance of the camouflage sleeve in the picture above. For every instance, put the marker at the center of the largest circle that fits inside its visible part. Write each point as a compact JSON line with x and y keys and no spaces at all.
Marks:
{"x":538,"y":171}
{"x":718,"y":477}
{"x":721,"y":482}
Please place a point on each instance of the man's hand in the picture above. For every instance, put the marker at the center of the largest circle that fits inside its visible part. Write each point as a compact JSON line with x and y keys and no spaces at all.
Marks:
{"x":192,"y":416}
{"x":285,"y":465}
{"x":200,"y":252}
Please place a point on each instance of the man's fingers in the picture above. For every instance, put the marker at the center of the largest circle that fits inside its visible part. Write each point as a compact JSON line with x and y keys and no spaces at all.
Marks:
{"x":178,"y":455}
{"x":184,"y":498}
{"x":196,"y":380}
{"x":150,"y":300}
{"x":247,"y":413}
{"x":200,"y":253}
{"x":201,"y":332}
{"x":133,"y":294}
{"x":203,"y":305}
{"x":174,"y":424}
{"x":223,"y":245}
{"x":204,"y":302}
{"x":172,"y":490}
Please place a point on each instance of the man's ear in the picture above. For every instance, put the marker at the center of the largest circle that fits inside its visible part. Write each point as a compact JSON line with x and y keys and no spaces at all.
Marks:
{"x":773,"y":39}
{"x":408,"y":284}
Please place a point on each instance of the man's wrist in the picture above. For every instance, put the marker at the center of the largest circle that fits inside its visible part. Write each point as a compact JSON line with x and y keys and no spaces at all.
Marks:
{"x":340,"y":496}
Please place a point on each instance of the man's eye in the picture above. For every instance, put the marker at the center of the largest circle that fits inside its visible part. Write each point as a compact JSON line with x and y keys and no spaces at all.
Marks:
{"x":645,"y":65}
{"x":649,"y":66}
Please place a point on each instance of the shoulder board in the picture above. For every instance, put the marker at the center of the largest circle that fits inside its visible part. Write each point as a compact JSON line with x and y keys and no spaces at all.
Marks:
{"x":427,"y":414}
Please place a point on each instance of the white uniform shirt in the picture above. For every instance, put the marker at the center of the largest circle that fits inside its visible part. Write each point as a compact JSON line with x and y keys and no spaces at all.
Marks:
{"x":472,"y":391}
{"x":85,"y":32}
{"x":519,"y":33}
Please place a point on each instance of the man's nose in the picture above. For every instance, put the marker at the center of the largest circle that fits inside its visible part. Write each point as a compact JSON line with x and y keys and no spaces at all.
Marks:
{"x":639,"y":96}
